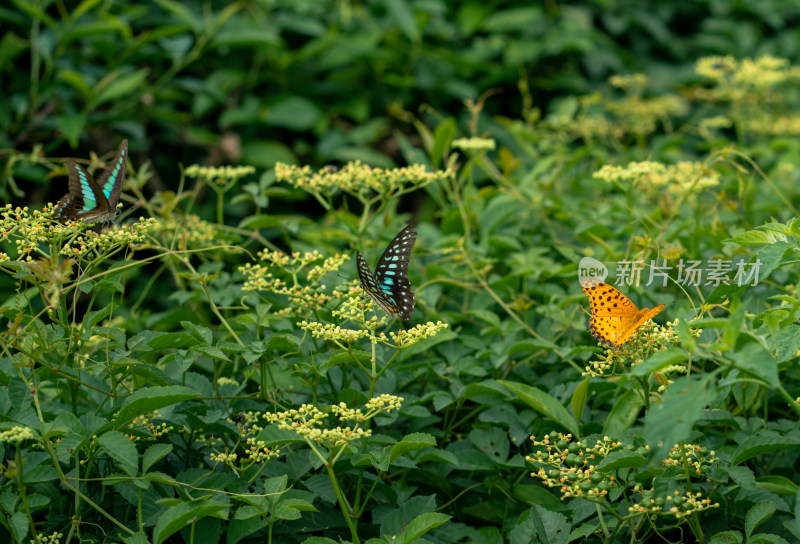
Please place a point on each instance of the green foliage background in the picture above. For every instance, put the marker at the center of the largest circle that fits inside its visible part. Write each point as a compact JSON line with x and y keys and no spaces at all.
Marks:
{"x":132,"y":358}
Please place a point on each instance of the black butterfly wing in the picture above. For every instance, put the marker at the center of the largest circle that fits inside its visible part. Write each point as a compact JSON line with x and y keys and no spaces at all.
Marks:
{"x":82,"y":196}
{"x":90,"y":200}
{"x":370,"y":286}
{"x":110,"y":181}
{"x":389,"y":285}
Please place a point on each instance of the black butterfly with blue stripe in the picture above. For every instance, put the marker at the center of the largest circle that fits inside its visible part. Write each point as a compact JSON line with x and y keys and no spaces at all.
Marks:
{"x":389,"y":286}
{"x":93,"y":201}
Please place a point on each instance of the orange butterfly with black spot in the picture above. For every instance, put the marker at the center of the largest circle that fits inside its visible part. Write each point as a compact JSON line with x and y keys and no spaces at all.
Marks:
{"x":615,"y":319}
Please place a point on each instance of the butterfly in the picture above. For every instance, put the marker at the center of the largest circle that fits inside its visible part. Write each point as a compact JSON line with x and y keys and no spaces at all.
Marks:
{"x":93,"y":201}
{"x":615,"y":319}
{"x":389,"y":287}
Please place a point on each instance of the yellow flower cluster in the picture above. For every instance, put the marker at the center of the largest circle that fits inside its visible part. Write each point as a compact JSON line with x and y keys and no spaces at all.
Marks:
{"x":697,"y":457}
{"x":684,"y":177}
{"x":641,"y":115}
{"x":30,"y":231}
{"x":254,"y":451}
{"x":224,"y":458}
{"x":354,"y":307}
{"x":384,"y":403}
{"x":91,"y":244}
{"x":572,"y":465}
{"x":307,"y":420}
{"x":16,"y":434}
{"x":764,"y":72}
{"x":358,"y":178}
{"x":331,"y":332}
{"x":301,"y":297}
{"x":676,"y":504}
{"x":650,"y":338}
{"x":220,"y":175}
{"x":54,"y":538}
{"x":409,"y":337}
{"x":189,"y":230}
{"x":629,"y":81}
{"x":474,"y":144}
{"x":144,"y":424}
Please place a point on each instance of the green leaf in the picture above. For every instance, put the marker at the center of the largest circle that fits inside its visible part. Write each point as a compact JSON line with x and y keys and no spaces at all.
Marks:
{"x":787,"y":342}
{"x":412,"y":442}
{"x":769,"y":258}
{"x":779,"y":485}
{"x":734,"y":325}
{"x":120,"y":448}
{"x":176,"y":340}
{"x":671,"y":421}
{"x":292,"y":509}
{"x":153,"y":454}
{"x":71,"y":126}
{"x":401,"y":14}
{"x":621,"y":459}
{"x":96,"y":317}
{"x":579,"y":399}
{"x":19,"y":526}
{"x":183,"y":14}
{"x":758,"y":362}
{"x":265,"y":153}
{"x":39,"y":474}
{"x":659,"y":360}
{"x":624,"y":413}
{"x":727,"y":537}
{"x":211,"y":351}
{"x":124,"y":85}
{"x":544,"y":404}
{"x":423,"y":524}
{"x":178,"y":517}
{"x":11,"y":46}
{"x":550,"y":527}
{"x":758,"y":514}
{"x":756,"y":445}
{"x":201,"y":332}
{"x":152,"y":398}
{"x":442,"y":137}
{"x":294,"y":113}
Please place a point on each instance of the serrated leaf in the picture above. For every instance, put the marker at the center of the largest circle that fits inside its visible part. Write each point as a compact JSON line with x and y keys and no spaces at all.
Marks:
{"x":178,"y":517}
{"x":621,"y":459}
{"x":579,"y":399}
{"x":176,"y":340}
{"x":152,"y":398}
{"x":412,"y":442}
{"x":120,"y":448}
{"x":672,"y":420}
{"x":727,"y":537}
{"x":544,"y":404}
{"x":758,"y":514}
{"x":423,"y":524}
{"x":153,"y":454}
{"x":211,"y":351}
{"x":659,"y":360}
{"x":756,"y":445}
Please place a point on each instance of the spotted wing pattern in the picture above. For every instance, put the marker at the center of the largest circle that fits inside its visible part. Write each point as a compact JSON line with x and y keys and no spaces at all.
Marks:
{"x":615,"y":319}
{"x":89,"y":200}
{"x":389,"y":286}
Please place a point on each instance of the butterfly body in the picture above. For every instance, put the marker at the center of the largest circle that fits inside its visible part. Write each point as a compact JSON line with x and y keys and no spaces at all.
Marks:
{"x":388,"y":286}
{"x":93,"y":201}
{"x":615,"y":319}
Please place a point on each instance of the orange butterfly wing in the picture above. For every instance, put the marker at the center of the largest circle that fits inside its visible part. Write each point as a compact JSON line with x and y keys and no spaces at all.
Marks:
{"x":615,"y":319}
